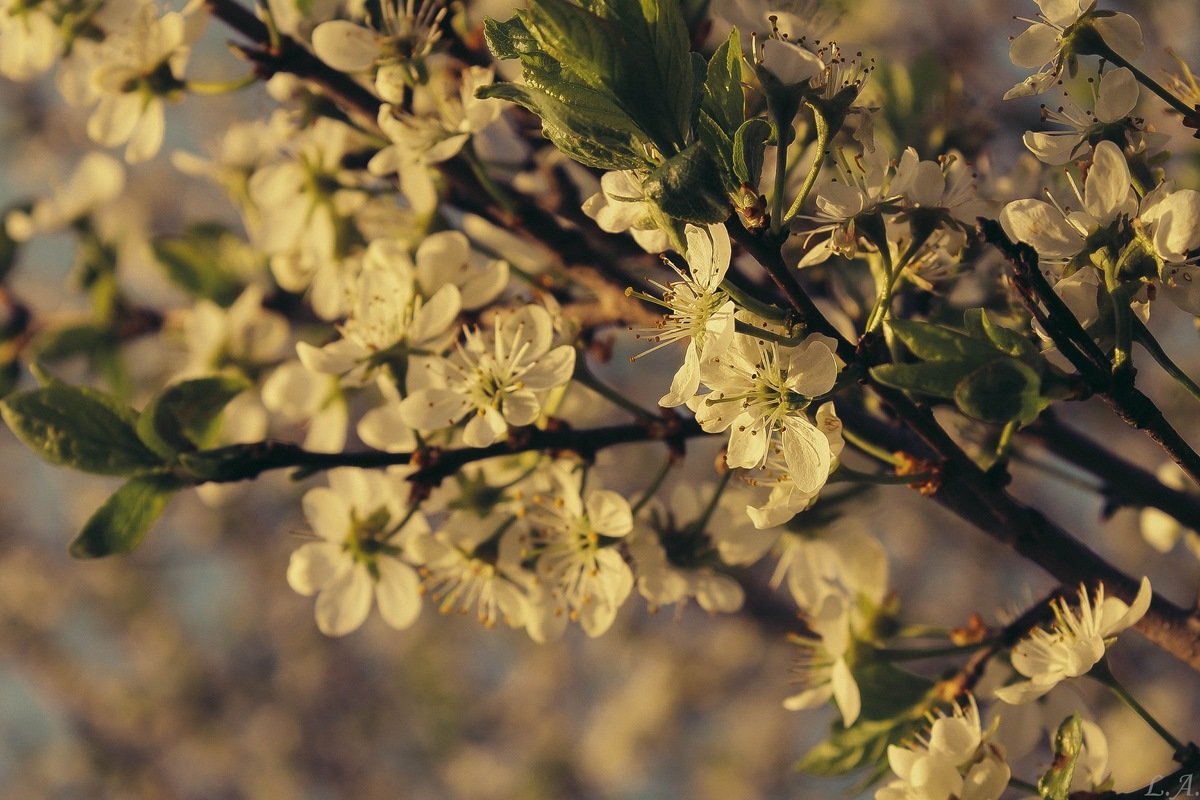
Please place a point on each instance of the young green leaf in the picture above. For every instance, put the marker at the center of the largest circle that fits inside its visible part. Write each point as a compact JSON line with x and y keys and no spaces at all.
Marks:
{"x":724,"y":99}
{"x":119,"y":525}
{"x":929,"y":378}
{"x":198,"y":261}
{"x":184,"y":416}
{"x":749,"y":144}
{"x":1001,"y":391}
{"x":939,"y":343}
{"x":1007,"y":341}
{"x":688,"y":187}
{"x":79,"y":428}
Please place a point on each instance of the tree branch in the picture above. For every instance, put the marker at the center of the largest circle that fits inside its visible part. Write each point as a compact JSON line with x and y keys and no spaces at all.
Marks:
{"x":1117,"y":389}
{"x":1125,"y":483}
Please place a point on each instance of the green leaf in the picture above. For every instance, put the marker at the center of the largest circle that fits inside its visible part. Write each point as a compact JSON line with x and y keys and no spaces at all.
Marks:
{"x":509,"y":39}
{"x":688,"y":187}
{"x":1055,"y":784}
{"x":929,"y":378}
{"x":939,"y":343}
{"x":72,"y":340}
{"x":184,"y":416}
{"x":724,"y":98}
{"x":1000,"y":391}
{"x":79,"y":428}
{"x":590,"y":46}
{"x":1007,"y":341}
{"x":581,"y":122}
{"x":206,"y":260}
{"x":886,"y":690}
{"x":119,"y":525}
{"x":749,"y":143}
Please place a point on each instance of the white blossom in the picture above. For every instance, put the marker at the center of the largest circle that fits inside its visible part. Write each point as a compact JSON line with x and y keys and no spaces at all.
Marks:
{"x":363,"y":526}
{"x":1073,"y":644}
{"x":497,"y":380}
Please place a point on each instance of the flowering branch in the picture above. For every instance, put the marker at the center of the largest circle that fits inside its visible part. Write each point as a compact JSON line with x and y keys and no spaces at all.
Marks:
{"x":1116,"y":387}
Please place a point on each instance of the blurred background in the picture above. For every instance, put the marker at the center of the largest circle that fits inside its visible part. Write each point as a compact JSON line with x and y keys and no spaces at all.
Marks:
{"x":191,"y":670}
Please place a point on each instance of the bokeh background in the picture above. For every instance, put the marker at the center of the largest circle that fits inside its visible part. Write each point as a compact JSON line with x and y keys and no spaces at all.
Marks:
{"x":191,"y":670}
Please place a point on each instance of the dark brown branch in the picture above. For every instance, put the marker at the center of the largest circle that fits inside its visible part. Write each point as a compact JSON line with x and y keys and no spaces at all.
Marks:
{"x":978,"y":496}
{"x":248,"y":461}
{"x":1125,"y":483}
{"x":1117,"y":389}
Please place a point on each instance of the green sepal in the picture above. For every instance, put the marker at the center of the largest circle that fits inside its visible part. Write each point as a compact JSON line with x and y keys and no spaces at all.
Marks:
{"x":121,"y":523}
{"x":79,"y":428}
{"x":1003,"y":390}
{"x":185,"y":416}
{"x":688,"y":187}
{"x":1055,"y":784}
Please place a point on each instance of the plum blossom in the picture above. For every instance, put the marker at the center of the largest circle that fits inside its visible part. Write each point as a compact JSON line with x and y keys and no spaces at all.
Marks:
{"x":1115,"y":98}
{"x":394,"y":45}
{"x":141,"y":64}
{"x":387,"y":315}
{"x":583,"y":576}
{"x":951,"y":761}
{"x":468,"y":565}
{"x":440,"y":133}
{"x":760,"y":392}
{"x":1062,"y":30}
{"x":699,"y":311}
{"x":363,"y":527}
{"x":496,"y":379}
{"x":621,"y":205}
{"x":1073,"y":644}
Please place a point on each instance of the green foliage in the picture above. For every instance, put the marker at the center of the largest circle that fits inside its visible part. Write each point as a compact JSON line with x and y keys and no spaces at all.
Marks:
{"x":616,"y":87}
{"x":80,"y":428}
{"x":992,"y":374}
{"x":199,"y":261}
{"x":119,"y":525}
{"x":749,"y":144}
{"x":184,"y":416}
{"x":894,"y":704}
{"x":687,"y":187}
{"x":1055,"y":784}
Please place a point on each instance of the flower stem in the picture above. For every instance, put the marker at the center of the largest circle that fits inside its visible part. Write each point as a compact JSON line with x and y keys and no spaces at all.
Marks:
{"x":870,"y":449}
{"x":702,"y":523}
{"x":1024,"y":786}
{"x":783,"y":137}
{"x":810,"y":180}
{"x":1150,"y":84}
{"x":767,"y":336}
{"x":493,"y":189}
{"x":655,"y":485}
{"x":1142,"y":336}
{"x":585,"y":376}
{"x":1102,"y":673}
{"x":753,"y":304}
